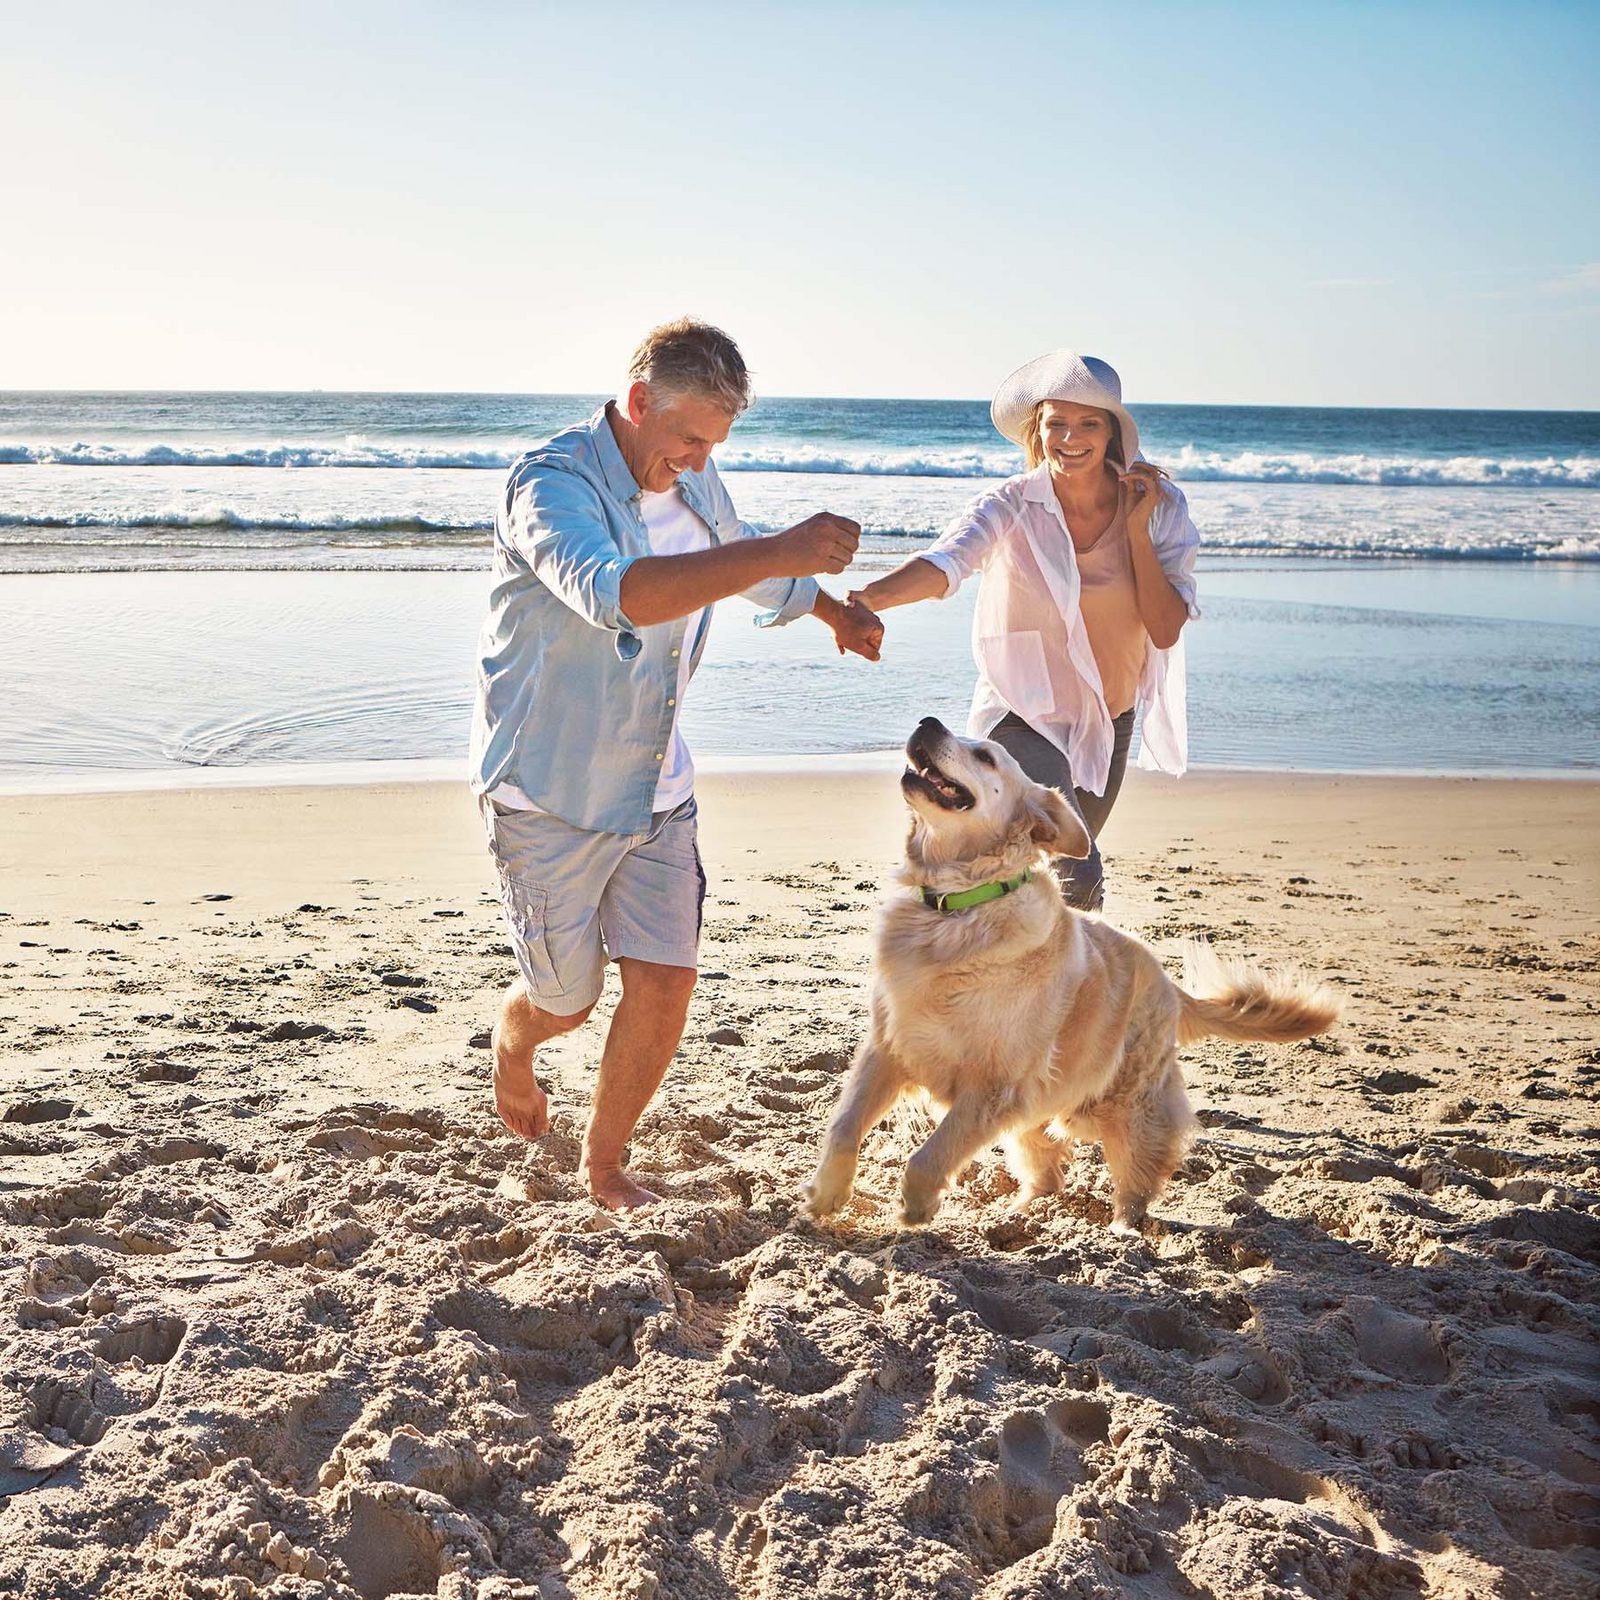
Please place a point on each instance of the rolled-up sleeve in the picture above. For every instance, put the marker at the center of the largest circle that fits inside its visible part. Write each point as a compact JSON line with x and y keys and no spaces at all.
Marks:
{"x":1176,"y":541}
{"x":778,"y":600}
{"x":555,"y":522}
{"x":964,"y":546}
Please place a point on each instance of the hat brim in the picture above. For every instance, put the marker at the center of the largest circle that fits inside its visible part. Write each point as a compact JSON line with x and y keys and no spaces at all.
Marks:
{"x":1059,"y":375}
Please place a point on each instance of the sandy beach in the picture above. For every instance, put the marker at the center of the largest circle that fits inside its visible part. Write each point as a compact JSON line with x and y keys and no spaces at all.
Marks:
{"x":286,"y":1312}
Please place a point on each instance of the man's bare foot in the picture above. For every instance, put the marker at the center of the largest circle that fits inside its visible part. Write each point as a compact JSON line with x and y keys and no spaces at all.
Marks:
{"x":519,"y":1100}
{"x":613,"y":1188}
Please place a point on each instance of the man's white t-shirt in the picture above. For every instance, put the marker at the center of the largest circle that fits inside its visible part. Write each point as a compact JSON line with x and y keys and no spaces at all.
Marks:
{"x":674,"y":530}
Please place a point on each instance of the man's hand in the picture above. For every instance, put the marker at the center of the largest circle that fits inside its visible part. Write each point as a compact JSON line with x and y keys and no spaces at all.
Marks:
{"x":822,"y":543}
{"x":857,"y":629}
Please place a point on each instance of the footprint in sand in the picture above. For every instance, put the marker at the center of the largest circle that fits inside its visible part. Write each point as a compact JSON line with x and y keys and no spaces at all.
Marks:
{"x":29,"y":1112}
{"x":169,"y":1152}
{"x":292,"y":1029}
{"x":1040,"y":1461}
{"x":1396,"y":1343}
{"x":162,"y":1070}
{"x":61,"y":1409}
{"x":71,"y":1202}
{"x":1251,"y":1372}
{"x":28,"y":1459}
{"x":1169,"y":1327}
{"x":1557,"y":1228}
{"x":153,"y":1340}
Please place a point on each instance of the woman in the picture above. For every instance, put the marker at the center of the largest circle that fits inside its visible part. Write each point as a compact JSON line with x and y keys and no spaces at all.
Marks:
{"x":1088,"y":578}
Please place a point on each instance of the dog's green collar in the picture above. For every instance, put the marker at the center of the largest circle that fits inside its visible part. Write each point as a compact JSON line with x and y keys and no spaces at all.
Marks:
{"x":963,"y":899}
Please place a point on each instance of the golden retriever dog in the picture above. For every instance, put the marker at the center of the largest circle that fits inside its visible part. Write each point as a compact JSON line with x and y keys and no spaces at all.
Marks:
{"x":1019,"y":1017}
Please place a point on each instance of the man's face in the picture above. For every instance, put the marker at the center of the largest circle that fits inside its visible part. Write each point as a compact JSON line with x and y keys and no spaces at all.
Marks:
{"x":676,"y":434}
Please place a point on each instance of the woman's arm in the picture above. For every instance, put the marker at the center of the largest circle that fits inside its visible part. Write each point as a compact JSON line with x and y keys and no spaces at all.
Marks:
{"x":913,"y":580}
{"x":1161,"y":608}
{"x":941,"y":569}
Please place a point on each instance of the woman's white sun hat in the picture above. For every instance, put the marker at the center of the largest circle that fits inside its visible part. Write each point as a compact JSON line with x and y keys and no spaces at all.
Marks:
{"x":1064,"y":375}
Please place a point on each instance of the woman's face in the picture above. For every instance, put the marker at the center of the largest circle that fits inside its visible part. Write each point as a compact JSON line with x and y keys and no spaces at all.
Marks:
{"x":1074,"y":438}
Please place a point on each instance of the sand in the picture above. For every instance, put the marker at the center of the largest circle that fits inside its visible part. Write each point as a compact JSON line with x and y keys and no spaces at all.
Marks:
{"x":284,"y":1311}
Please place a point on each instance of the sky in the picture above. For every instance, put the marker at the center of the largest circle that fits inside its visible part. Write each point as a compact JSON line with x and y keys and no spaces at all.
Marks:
{"x":1307,"y":203}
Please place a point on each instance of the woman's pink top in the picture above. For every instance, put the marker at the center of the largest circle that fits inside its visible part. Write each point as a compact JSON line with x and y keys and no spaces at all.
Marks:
{"x":1109,"y":601}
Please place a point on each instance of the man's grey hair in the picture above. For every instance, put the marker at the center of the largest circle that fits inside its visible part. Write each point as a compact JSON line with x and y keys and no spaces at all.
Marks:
{"x":690,"y":358}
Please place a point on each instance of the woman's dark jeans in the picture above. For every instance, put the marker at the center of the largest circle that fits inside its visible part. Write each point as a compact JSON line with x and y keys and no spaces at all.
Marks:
{"x":1083,"y":882}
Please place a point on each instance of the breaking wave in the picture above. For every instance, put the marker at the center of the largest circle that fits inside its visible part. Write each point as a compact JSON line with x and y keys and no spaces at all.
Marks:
{"x":1186,"y":462}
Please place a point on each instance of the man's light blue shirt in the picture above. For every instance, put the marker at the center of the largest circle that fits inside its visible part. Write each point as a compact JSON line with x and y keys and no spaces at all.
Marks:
{"x":575,"y":704}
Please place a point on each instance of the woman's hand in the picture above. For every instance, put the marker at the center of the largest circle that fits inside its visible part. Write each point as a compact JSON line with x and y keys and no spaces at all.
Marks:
{"x":1161,"y":607}
{"x":856,"y":628}
{"x":1140,"y":490}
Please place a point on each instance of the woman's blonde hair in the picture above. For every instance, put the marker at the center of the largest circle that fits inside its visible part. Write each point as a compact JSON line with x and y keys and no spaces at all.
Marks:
{"x":1033,"y":449}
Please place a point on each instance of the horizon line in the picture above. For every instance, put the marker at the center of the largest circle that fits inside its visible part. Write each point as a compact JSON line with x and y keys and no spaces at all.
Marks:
{"x":591,"y":394}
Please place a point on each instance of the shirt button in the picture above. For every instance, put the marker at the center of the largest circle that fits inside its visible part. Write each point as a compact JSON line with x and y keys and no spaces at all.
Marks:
{"x":659,"y":755}
{"x":675,"y":655}
{"x":671,"y":704}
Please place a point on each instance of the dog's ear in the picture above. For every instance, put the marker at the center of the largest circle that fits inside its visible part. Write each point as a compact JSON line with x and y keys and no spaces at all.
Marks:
{"x":1055,"y":826}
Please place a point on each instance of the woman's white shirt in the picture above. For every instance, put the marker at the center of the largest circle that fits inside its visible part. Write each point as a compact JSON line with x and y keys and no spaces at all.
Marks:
{"x":1028,"y":633}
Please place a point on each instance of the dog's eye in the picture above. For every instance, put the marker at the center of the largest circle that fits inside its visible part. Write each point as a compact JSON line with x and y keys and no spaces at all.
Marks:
{"x":984,"y":757}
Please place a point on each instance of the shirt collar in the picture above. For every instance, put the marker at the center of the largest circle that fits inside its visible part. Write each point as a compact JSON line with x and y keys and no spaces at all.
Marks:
{"x":692,"y":486}
{"x":1036,"y":484}
{"x":619,"y":480}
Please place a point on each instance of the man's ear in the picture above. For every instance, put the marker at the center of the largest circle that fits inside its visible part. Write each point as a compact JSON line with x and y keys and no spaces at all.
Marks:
{"x":1055,"y":826}
{"x":637,"y":401}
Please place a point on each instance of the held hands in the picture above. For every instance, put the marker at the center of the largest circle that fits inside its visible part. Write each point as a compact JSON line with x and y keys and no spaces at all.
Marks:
{"x":857,"y":628}
{"x":1140,"y":488}
{"x":827,"y":543}
{"x":822,"y":543}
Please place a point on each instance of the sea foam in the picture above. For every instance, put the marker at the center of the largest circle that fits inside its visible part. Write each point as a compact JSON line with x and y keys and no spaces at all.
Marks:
{"x":1187,"y":462}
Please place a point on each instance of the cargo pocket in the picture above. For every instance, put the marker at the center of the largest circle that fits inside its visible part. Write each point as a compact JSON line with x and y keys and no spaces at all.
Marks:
{"x":525,"y":912}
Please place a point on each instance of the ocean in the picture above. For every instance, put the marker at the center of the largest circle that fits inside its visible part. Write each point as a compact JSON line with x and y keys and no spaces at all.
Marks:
{"x":203,"y":583}
{"x":406,"y":482}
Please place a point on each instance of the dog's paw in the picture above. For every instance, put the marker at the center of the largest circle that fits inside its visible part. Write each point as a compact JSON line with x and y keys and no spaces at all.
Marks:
{"x":831,"y":1186}
{"x":819,"y":1199}
{"x":921,"y":1189}
{"x":917,"y":1206}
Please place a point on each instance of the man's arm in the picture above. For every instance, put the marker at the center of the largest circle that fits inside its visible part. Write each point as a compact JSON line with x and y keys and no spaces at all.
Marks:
{"x":555,"y":523}
{"x":663,"y":588}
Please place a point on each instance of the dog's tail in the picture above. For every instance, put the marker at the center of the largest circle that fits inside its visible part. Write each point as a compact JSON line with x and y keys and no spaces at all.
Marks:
{"x":1242,"y":1002}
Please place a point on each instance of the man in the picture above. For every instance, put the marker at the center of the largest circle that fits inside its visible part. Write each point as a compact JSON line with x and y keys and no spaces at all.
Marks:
{"x":612,"y":543}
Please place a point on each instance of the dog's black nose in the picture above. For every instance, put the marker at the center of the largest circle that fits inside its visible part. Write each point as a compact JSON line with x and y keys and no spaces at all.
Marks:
{"x":929,"y":727}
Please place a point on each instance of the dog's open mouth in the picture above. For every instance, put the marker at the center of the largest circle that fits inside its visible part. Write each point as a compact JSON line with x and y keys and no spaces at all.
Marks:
{"x":923,"y":777}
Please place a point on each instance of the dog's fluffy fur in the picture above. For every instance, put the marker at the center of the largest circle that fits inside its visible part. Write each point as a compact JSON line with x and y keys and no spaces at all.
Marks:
{"x":1021,"y":1019}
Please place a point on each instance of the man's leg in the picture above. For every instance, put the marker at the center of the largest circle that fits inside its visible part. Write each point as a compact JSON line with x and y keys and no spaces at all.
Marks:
{"x":551,"y":878}
{"x":521,"y":1028}
{"x":650,"y":916}
{"x":645,"y":1031}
